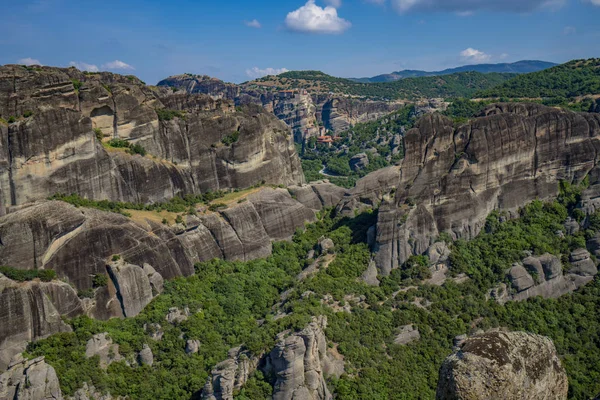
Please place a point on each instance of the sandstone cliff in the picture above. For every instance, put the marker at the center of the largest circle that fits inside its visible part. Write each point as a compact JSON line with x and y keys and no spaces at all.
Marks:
{"x":30,"y":380}
{"x":301,"y":110}
{"x":503,"y":365}
{"x":51,"y":118}
{"x":452,"y":178}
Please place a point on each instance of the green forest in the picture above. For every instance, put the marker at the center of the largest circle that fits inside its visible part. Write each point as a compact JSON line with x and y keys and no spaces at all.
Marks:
{"x":228,"y":299}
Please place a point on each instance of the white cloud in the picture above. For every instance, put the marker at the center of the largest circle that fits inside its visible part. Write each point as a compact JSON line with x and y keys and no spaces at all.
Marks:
{"x":334,"y":3}
{"x":310,"y":18}
{"x":29,"y":61}
{"x":256,"y":72}
{"x":253,"y":24}
{"x":470,"y":6}
{"x":117,"y":65}
{"x":84,"y":66}
{"x":472,"y":54}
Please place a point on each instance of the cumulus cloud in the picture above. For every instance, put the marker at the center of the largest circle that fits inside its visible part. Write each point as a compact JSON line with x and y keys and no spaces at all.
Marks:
{"x":29,"y":61}
{"x":595,"y":2}
{"x":475,"y":55}
{"x":255,"y":73}
{"x":310,"y":18}
{"x":84,"y":66}
{"x":253,"y":24}
{"x":462,"y":6}
{"x":117,"y":65}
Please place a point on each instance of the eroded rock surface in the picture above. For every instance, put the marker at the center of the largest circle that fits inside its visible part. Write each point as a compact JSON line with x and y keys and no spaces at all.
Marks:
{"x":230,"y":375}
{"x":451,"y":179}
{"x":30,"y":380}
{"x":503,"y":365}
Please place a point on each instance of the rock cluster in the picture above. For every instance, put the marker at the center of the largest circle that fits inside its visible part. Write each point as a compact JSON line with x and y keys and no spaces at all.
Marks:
{"x":101,"y":345}
{"x":452,"y":178}
{"x":230,"y":375}
{"x":503,"y":365}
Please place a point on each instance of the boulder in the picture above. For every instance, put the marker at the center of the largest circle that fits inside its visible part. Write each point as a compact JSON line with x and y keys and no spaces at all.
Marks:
{"x":503,"y":365}
{"x":30,"y":380}
{"x":571,"y":226}
{"x":101,"y":345}
{"x":192,"y":346}
{"x":359,"y":162}
{"x":408,"y":334}
{"x":582,"y":264}
{"x":370,"y":275}
{"x":326,"y":245}
{"x":145,"y":357}
{"x":520,"y":278}
{"x":551,"y":265}
{"x":438,"y":253}
{"x":177,"y":316}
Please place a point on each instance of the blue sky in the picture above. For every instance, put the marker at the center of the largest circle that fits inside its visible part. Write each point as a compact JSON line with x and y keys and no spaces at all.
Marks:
{"x":238,"y":40}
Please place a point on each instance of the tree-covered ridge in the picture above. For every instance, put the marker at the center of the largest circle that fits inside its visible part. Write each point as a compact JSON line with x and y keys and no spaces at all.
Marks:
{"x":566,"y":81}
{"x":234,"y":303}
{"x":462,"y":84}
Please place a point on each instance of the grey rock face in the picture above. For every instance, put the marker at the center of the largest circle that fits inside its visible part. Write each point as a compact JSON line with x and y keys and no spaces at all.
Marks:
{"x":145,"y":357}
{"x":511,"y":155}
{"x":192,"y":346}
{"x":133,"y":287}
{"x":370,"y":275}
{"x":520,"y":279}
{"x":408,"y":334}
{"x":90,"y":393}
{"x":101,"y":345}
{"x":438,"y":253}
{"x":297,"y":363}
{"x":177,"y":316}
{"x":359,"y":162}
{"x":230,"y":375}
{"x":503,"y":365}
{"x":30,"y":380}
{"x":32,"y":311}
{"x":326,"y":245}
{"x":190,"y":157}
{"x":582,"y":264}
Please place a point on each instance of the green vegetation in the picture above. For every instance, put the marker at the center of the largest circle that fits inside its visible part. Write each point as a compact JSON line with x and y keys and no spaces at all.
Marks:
{"x":77,"y":84}
{"x":362,"y":138}
{"x":20,"y":275}
{"x":231,"y":139}
{"x":118,"y":143}
{"x":12,"y":119}
{"x":174,"y":205}
{"x":168,"y":115}
{"x":27,"y":114}
{"x":557,"y":86}
{"x":462,"y":84}
{"x":98,"y":133}
{"x":99,"y":280}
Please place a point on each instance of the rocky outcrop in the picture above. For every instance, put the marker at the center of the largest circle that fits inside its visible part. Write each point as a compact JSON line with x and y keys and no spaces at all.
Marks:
{"x":30,"y":380}
{"x":230,"y":375}
{"x":408,"y":334}
{"x":451,"y":179}
{"x":101,"y":345}
{"x":55,"y":149}
{"x":543,"y":276}
{"x":301,"y":110}
{"x":297,"y":362}
{"x":146,"y":357}
{"x":32,"y":310}
{"x":359,"y":162}
{"x":134,"y":290}
{"x":503,"y":365}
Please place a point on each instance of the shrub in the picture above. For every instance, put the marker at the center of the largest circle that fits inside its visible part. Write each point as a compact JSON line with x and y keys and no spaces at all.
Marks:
{"x":167,"y":115}
{"x":217,"y":207}
{"x":116,"y":257}
{"x":100,"y":280}
{"x":179,"y":219}
{"x":99,"y":134}
{"x":76,"y":84}
{"x":231,"y":139}
{"x":27,"y":114}
{"x":119,"y":143}
{"x":21,"y":275}
{"x":11,"y":119}
{"x":137,"y":149}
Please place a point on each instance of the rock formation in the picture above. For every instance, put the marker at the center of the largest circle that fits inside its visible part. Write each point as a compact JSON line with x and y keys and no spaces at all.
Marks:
{"x":451,"y":179}
{"x":230,"y":375}
{"x":503,"y":365}
{"x":133,"y":287}
{"x":543,"y":276}
{"x":297,"y":364}
{"x":102,"y":346}
{"x":55,"y":149}
{"x":32,"y":310}
{"x":30,"y":380}
{"x":301,"y":110}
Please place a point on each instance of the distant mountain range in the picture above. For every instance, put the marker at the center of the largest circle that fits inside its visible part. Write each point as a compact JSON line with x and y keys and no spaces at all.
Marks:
{"x":519,"y":67}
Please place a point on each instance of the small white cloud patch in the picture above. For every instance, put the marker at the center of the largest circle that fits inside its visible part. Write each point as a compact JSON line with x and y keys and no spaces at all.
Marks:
{"x":117,"y":65}
{"x":310,"y":18}
{"x":84,"y":66}
{"x":255,"y":73}
{"x":29,"y":61}
{"x":253,"y":24}
{"x":472,"y":54}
